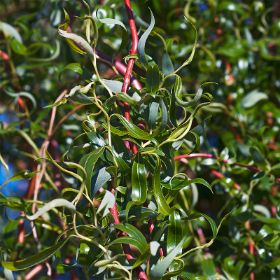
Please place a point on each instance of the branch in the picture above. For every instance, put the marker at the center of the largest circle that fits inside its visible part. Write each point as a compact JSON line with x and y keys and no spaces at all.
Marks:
{"x":119,"y":66}
{"x":134,"y":46}
{"x":251,"y":168}
{"x":141,"y":275}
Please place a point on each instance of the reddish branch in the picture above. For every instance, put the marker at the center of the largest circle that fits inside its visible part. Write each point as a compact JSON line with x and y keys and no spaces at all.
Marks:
{"x":127,"y":80}
{"x":119,"y":66}
{"x":133,"y":50}
{"x":4,"y":55}
{"x":252,"y":168}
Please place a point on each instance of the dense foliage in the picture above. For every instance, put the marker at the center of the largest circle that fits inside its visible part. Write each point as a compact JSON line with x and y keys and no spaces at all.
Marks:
{"x":173,"y":177}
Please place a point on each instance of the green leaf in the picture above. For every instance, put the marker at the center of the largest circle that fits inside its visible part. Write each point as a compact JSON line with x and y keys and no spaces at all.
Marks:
{"x":18,"y":47}
{"x":101,"y":179}
{"x":252,"y":98}
{"x":153,"y":114}
{"x":162,"y":265}
{"x":107,"y":202}
{"x":59,"y":202}
{"x":143,"y":39}
{"x":201,"y":181}
{"x":133,"y":130}
{"x":35,"y":259}
{"x":257,"y":156}
{"x":212,"y":224}
{"x":190,"y":58}
{"x":167,"y":65}
{"x":130,"y":241}
{"x":12,"y":202}
{"x":114,"y":86}
{"x":75,"y":67}
{"x":139,"y":183}
{"x":208,"y":266}
{"x":88,"y":162}
{"x":163,"y":207}
{"x":10,"y":31}
{"x":135,"y":235}
{"x":164,"y":114}
{"x":175,"y":230}
{"x":233,"y":49}
{"x":112,"y":21}
{"x":78,"y":43}
{"x":25,"y":174}
{"x":182,"y":130}
{"x":153,"y":78}
{"x":23,"y":94}
{"x":126,"y":98}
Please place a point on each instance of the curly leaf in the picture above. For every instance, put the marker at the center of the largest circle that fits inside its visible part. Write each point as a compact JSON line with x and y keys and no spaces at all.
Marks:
{"x":59,"y":202}
{"x":163,"y":207}
{"x":143,"y":39}
{"x":78,"y":40}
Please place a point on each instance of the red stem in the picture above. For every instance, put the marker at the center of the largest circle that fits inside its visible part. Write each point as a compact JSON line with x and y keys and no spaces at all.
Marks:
{"x":127,"y":79}
{"x":133,"y":51}
{"x":134,"y":46}
{"x":4,"y":56}
{"x":206,"y":155}
{"x":219,"y":175}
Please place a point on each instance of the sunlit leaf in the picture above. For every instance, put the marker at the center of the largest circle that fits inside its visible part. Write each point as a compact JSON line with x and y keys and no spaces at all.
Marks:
{"x":139,"y":182}
{"x":59,"y":202}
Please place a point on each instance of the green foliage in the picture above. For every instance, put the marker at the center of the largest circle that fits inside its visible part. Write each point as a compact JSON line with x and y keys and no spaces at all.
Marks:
{"x":186,"y":187}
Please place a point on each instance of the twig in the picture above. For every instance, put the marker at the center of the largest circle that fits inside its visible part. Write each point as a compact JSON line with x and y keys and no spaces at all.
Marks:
{"x":141,"y":275}
{"x":64,"y":118}
{"x":42,"y":166}
{"x":252,"y":168}
{"x":119,"y":66}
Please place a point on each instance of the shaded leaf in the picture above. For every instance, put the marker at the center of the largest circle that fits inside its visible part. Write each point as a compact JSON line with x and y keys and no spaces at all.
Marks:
{"x":143,"y":39}
{"x":35,"y":259}
{"x":75,"y":67}
{"x":88,"y":163}
{"x":163,"y":207}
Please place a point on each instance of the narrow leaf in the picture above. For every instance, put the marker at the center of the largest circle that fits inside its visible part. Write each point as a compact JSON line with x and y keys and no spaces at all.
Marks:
{"x":88,"y":162}
{"x":252,"y":98}
{"x":175,"y":231}
{"x":75,"y":67}
{"x":107,"y":202}
{"x":143,"y":39}
{"x":101,"y":178}
{"x":134,"y":233}
{"x":78,"y":40}
{"x":10,"y":31}
{"x":35,"y":259}
{"x":133,"y":130}
{"x":139,"y":183}
{"x":112,"y":21}
{"x":162,"y":265}
{"x":59,"y":202}
{"x":163,"y":207}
